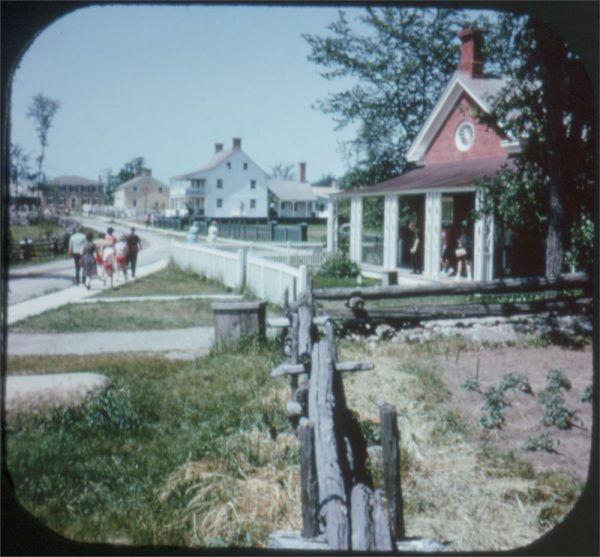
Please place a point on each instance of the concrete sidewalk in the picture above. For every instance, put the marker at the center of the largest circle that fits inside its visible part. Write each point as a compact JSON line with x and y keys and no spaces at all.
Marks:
{"x":35,"y":306}
{"x":195,"y":341}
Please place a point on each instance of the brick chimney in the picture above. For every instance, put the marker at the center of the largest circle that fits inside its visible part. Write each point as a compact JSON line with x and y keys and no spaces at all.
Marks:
{"x":237,"y":143}
{"x":218,"y":147}
{"x":302,"y":171}
{"x":471,"y":58}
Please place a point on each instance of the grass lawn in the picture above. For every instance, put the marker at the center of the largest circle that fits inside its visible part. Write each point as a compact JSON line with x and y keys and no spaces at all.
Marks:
{"x":326,"y":281}
{"x":198,"y":453}
{"x":170,"y":281}
{"x":166,"y":444}
{"x":35,"y":231}
{"x":121,"y":316}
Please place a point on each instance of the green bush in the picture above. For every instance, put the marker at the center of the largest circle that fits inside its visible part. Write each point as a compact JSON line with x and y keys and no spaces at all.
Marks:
{"x":339,"y":266}
{"x":588,"y":394}
{"x":542,"y":442}
{"x":556,"y":411}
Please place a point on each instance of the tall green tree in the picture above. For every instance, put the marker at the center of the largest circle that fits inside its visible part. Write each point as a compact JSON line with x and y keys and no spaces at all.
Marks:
{"x":548,"y":104}
{"x":20,"y":168}
{"x":131,"y":169}
{"x":400,"y":60}
{"x":42,"y":111}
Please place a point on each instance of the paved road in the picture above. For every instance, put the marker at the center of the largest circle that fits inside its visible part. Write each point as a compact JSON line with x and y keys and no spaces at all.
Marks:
{"x":31,"y":281}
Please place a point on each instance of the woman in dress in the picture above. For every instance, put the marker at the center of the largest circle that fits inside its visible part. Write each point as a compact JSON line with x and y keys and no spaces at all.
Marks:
{"x":88,"y":259}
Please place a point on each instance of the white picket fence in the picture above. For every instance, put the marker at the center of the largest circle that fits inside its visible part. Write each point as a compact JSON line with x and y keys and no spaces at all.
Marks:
{"x":268,"y":280}
{"x":265,"y":278}
{"x":224,"y":266}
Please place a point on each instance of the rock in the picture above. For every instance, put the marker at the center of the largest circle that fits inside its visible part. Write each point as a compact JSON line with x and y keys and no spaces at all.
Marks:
{"x":385,"y":332}
{"x":26,"y":394}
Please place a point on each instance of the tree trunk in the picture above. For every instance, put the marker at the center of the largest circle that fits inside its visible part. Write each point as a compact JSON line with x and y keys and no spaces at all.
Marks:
{"x":553,"y":59}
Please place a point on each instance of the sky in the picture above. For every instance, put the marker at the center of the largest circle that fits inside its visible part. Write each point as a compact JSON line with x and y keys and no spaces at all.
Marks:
{"x":168,"y":82}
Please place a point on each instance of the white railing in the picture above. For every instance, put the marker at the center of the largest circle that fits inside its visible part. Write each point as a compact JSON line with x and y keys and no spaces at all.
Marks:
{"x":291,"y":253}
{"x":268,"y":280}
{"x":224,"y":266}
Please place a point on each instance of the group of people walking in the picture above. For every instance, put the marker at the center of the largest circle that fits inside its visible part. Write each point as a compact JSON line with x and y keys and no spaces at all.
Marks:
{"x":105,"y":257}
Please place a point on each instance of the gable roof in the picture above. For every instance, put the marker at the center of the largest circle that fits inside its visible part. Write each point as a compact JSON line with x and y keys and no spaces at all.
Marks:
{"x":482,"y":90}
{"x":73,"y":181}
{"x":212,"y":163}
{"x":288,"y":190}
{"x":439,"y":176}
{"x":141,"y":180}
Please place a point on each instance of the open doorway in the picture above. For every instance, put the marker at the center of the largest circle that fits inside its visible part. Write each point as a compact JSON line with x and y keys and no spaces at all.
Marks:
{"x":411,"y":209}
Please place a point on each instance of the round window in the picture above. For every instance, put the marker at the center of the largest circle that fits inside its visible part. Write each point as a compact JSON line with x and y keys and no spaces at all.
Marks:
{"x":465,"y":136}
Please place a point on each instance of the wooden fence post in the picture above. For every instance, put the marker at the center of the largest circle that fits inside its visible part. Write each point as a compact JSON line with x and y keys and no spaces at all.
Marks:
{"x":390,"y":442}
{"x":308,"y":481}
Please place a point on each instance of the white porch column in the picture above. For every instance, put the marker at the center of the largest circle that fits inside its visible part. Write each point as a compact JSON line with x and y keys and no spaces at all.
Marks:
{"x":483,"y":244}
{"x":356,"y":218}
{"x":390,"y":232}
{"x":332,"y":225}
{"x":433,"y":233}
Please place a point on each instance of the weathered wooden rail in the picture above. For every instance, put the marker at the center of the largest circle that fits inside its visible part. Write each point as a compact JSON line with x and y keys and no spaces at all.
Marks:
{"x":341,"y":509}
{"x":558,"y":298}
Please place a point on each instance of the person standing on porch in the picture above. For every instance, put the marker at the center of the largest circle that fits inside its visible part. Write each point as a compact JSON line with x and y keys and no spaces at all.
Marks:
{"x":414,"y":247}
{"x":464,"y":255}
{"x":213,"y":232}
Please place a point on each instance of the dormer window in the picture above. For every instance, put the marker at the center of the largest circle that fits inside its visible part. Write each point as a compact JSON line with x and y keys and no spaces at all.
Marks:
{"x":219,"y":183}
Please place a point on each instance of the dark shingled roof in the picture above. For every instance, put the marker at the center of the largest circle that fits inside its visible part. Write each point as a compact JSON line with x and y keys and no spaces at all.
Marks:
{"x":436,"y":176}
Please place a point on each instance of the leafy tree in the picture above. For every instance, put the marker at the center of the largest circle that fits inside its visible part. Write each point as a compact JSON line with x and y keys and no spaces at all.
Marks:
{"x":131,"y":169}
{"x":325,"y":180}
{"x":401,"y":62}
{"x":283,"y":171}
{"x":20,"y":169}
{"x":42,"y":111}
{"x":548,"y":197}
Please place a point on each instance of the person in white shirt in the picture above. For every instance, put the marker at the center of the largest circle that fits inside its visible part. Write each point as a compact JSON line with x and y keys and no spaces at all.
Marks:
{"x":76,"y":240}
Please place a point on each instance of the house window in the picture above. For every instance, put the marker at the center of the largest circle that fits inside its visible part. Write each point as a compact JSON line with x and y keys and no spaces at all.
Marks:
{"x":245,"y":166}
{"x":134,"y":188}
{"x":252,"y":184}
{"x":253,"y":204}
{"x":159,"y":189}
{"x":219,"y":203}
{"x":134,"y":203}
{"x":73,"y":202}
{"x":219,"y":183}
{"x":229,"y":165}
{"x":447,"y":211}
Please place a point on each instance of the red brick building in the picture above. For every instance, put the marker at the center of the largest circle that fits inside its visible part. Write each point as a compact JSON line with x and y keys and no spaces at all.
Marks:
{"x":452,"y":149}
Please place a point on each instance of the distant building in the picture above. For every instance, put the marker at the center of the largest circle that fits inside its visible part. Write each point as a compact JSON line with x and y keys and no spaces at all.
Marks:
{"x":292,"y":198}
{"x":142,"y":194}
{"x":229,"y":185}
{"x":72,"y":193}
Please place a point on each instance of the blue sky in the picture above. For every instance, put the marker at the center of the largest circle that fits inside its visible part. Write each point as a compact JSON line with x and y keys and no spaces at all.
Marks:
{"x":168,"y":82}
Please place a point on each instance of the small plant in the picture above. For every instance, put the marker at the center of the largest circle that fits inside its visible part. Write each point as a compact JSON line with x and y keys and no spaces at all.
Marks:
{"x":588,"y":395}
{"x":556,"y":411}
{"x":516,"y":381}
{"x":339,"y":266}
{"x":494,"y":408}
{"x":471,"y":384}
{"x":557,"y":380}
{"x":542,"y":442}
